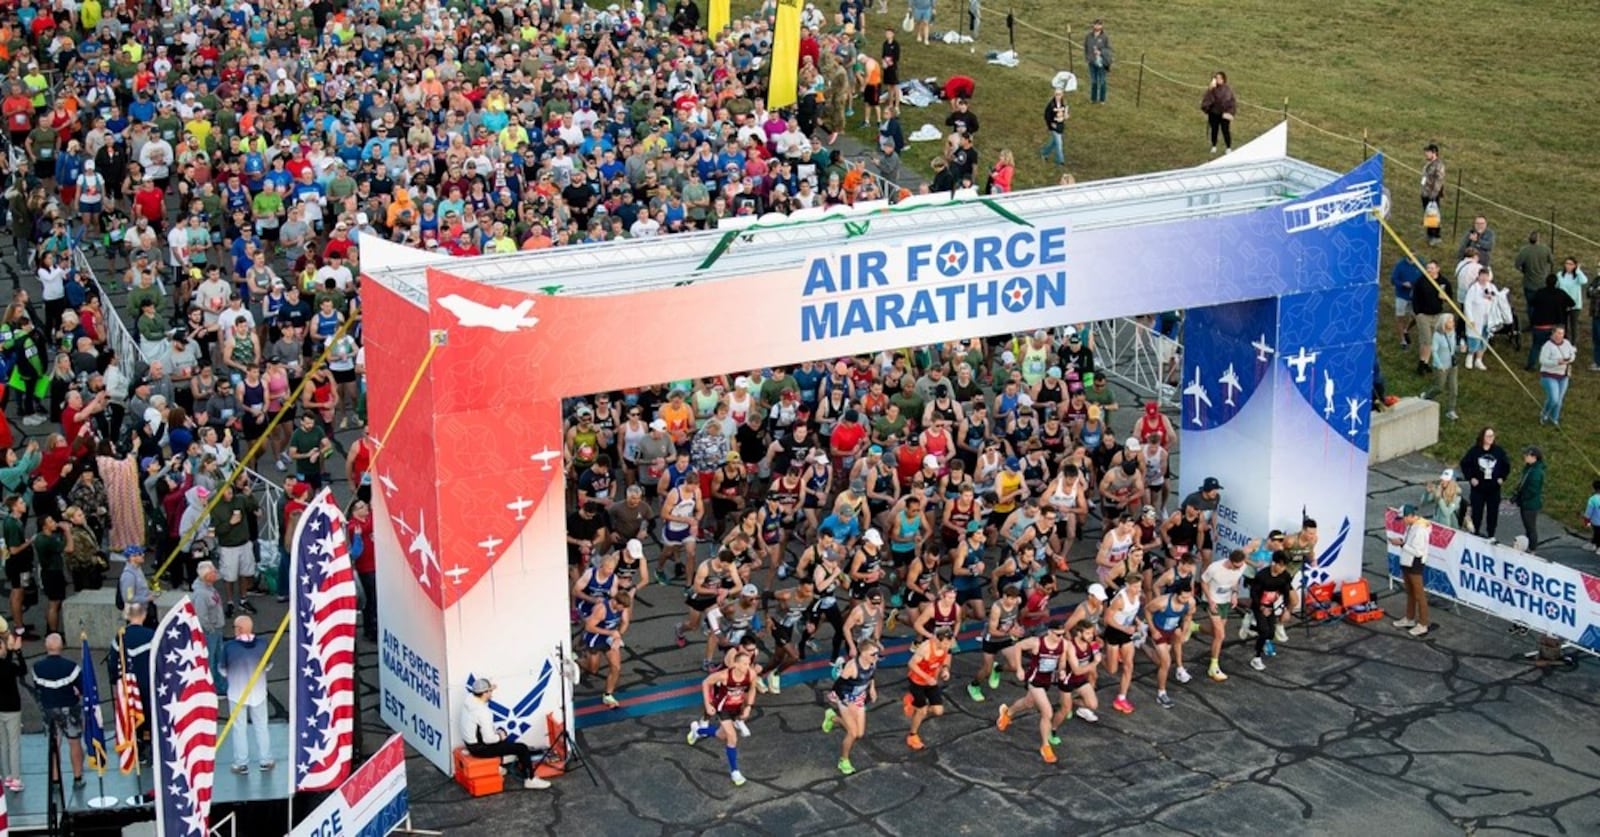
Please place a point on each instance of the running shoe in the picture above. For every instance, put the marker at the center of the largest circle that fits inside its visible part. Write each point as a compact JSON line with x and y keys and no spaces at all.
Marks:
{"x":1122,"y":705}
{"x":737,"y":777}
{"x":891,"y":620}
{"x":1193,"y":628}
{"x":828,"y":718}
{"x":1182,"y":675}
{"x":1279,"y":635}
{"x":15,"y":785}
{"x":905,"y":704}
{"x":1405,"y":623}
{"x":1255,"y":663}
{"x":838,"y":666}
{"x":744,"y":730}
{"x":1004,"y":721}
{"x":775,"y":683}
{"x":846,"y":767}
{"x":895,"y":601}
{"x":1048,"y":754}
{"x":535,"y":783}
{"x":677,"y":633}
{"x":1087,"y":714}
{"x":1269,"y":649}
{"x":1055,"y":740}
{"x":1420,"y":630}
{"x":694,"y":732}
{"x":994,"y":677}
{"x":1163,"y":699}
{"x":975,"y":692}
{"x":1246,"y":628}
{"x":1216,"y":674}
{"x":914,"y":741}
{"x":609,"y":700}
{"x":761,"y":684}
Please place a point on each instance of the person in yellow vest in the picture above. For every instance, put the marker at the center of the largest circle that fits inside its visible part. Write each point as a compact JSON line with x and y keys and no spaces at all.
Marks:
{"x":199,"y":125}
{"x":133,"y":51}
{"x":38,"y":85}
{"x":89,"y":14}
{"x":513,"y":135}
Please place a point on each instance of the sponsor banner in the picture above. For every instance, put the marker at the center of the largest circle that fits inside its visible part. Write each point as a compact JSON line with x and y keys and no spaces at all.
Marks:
{"x":371,"y":803}
{"x":1519,"y":587}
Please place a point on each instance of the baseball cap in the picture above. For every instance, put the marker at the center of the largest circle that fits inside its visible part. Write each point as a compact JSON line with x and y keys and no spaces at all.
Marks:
{"x":873,"y":537}
{"x":930,"y":461}
{"x":1098,"y":592}
{"x":974,"y":526}
{"x":750,"y":591}
{"x":1448,"y":474}
{"x":635,"y":549}
{"x":658,"y":424}
{"x":1211,"y":484}
{"x":1407,"y":510}
{"x":875,"y":450}
{"x":481,"y":686}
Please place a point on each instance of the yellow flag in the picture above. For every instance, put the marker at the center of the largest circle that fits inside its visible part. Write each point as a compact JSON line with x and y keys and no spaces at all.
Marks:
{"x":719,"y":17}
{"x":783,"y":87}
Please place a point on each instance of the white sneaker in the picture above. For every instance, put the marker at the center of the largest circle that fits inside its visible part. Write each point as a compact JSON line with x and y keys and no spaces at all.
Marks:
{"x":1182,"y":675}
{"x":744,"y":731}
{"x":1087,"y":714}
{"x":1255,"y":663}
{"x":536,"y":783}
{"x":1213,"y":149}
{"x":775,"y":683}
{"x":737,"y":777}
{"x":1246,"y":628}
{"x":1404,"y":623}
{"x":1279,"y":635}
{"x":694,"y":732}
{"x":1420,"y":630}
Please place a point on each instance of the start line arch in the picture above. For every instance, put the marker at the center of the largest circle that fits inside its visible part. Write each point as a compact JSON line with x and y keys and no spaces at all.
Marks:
{"x":1275,"y":260}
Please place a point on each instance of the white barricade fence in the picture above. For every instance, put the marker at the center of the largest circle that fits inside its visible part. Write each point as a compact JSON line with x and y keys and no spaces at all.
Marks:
{"x":1520,"y":587}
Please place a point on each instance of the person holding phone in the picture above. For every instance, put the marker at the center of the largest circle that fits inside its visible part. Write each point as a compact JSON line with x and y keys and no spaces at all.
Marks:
{"x":1220,"y":106}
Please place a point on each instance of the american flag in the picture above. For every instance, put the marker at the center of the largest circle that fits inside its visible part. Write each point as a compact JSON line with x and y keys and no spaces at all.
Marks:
{"x":184,"y":712}
{"x":130,"y":713}
{"x":322,"y":689}
{"x":5,"y":819}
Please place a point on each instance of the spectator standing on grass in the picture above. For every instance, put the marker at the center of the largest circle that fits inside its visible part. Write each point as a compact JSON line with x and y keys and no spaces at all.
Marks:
{"x":1535,"y":261}
{"x":1442,"y":360}
{"x":1547,"y":311}
{"x":1055,"y":126}
{"x":1220,"y":106}
{"x":1404,"y":277}
{"x":1572,"y":282}
{"x":1097,"y":54}
{"x":1433,"y":180}
{"x":1427,"y":303}
{"x":921,"y":19}
{"x":890,"y":57}
{"x":1593,"y":293}
{"x":1478,"y":236}
{"x":1485,"y":467}
{"x":1555,"y":373}
{"x":1529,"y":495}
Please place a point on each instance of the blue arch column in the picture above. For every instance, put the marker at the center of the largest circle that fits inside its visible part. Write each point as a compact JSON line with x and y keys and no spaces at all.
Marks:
{"x":1276,"y":400}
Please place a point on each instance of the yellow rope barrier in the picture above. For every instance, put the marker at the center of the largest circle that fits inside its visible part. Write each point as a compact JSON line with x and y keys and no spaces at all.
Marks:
{"x":1455,"y":308}
{"x":434,"y":342}
{"x":250,"y":455}
{"x":250,"y":684}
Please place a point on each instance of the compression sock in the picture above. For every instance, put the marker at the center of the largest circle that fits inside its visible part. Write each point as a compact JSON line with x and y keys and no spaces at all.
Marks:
{"x":733,"y":757}
{"x":706,"y":730}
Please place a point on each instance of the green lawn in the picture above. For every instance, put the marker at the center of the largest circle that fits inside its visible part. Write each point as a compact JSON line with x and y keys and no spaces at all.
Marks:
{"x":1507,"y":90}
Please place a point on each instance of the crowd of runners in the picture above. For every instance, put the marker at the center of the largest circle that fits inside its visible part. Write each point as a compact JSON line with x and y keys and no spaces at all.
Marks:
{"x":970,"y":496}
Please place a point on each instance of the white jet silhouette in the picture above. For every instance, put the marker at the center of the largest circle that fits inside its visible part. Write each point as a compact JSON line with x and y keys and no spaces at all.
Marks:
{"x":1230,"y":384}
{"x":1263,"y":348}
{"x":1300,"y":361}
{"x":505,"y":318}
{"x":1197,"y":391}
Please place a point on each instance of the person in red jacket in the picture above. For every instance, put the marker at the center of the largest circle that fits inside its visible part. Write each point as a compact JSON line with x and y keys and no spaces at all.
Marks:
{"x":358,"y":534}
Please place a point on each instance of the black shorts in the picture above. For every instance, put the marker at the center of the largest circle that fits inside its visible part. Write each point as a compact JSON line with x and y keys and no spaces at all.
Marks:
{"x":1072,"y":684}
{"x":54,"y":584}
{"x":964,"y":596}
{"x":16,"y":568}
{"x":734,"y":714}
{"x":872,"y":93}
{"x":995,"y":646}
{"x":783,"y":634}
{"x":900,"y":560}
{"x":922,"y":696}
{"x":997,"y":519}
{"x":701,"y":604}
{"x":911,"y":599}
{"x":860,"y":589}
{"x":1116,"y":636}
{"x":344,"y":376}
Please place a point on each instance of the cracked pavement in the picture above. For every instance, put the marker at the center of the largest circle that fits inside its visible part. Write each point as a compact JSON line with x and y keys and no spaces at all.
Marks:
{"x":1352,"y":728}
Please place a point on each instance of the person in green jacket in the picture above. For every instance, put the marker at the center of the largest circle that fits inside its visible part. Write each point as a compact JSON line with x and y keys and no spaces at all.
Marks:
{"x":1529,"y":496}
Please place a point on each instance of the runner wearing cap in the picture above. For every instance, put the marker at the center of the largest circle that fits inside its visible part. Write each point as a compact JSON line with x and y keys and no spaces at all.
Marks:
{"x":1269,"y":592}
{"x":817,"y":479}
{"x":1044,"y":655}
{"x":730,"y":622}
{"x":632,"y":572}
{"x":1206,"y":499}
{"x":864,"y":624}
{"x":967,"y":570}
{"x":602,"y":638}
{"x":1258,"y":556}
{"x":796,"y":619}
{"x":866,"y":565}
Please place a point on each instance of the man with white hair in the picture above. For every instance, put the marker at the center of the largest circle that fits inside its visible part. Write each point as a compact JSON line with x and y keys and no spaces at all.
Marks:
{"x":240,"y":657}
{"x":213,"y":620}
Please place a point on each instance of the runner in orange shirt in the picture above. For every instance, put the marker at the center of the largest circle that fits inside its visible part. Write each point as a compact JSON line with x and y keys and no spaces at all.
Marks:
{"x":869,"y":76}
{"x":929,"y":670}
